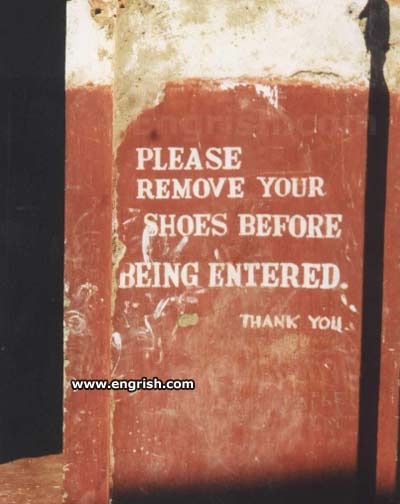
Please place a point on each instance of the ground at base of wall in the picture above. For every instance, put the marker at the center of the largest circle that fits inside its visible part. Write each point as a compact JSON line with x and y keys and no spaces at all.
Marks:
{"x":32,"y":481}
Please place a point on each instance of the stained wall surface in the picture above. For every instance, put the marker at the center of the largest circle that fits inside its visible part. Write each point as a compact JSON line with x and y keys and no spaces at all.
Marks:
{"x":276,"y":347}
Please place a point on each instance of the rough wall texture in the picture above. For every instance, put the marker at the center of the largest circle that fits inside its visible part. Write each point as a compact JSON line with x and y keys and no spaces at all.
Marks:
{"x":161,"y":41}
{"x":145,"y":51}
{"x":87,"y":291}
{"x":181,"y":39}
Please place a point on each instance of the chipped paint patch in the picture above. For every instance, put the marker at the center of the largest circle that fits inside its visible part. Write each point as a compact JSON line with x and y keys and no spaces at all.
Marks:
{"x":104,"y":13}
{"x":269,"y":92}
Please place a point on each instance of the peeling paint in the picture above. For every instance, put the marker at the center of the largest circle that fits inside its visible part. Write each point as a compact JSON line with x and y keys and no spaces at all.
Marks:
{"x":89,"y":48}
{"x":283,"y":39}
{"x":140,"y":46}
{"x":270,"y":93}
{"x":103,"y":13}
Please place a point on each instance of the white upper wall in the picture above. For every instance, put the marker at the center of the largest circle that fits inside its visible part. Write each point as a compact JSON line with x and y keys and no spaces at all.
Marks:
{"x":89,"y":49}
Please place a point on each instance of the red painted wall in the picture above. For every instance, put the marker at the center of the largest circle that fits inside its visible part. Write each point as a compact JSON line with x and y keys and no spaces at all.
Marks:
{"x":88,"y":292}
{"x":270,"y":404}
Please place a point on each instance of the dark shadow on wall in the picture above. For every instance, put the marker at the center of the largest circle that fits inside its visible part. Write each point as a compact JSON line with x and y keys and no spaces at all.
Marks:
{"x":377,"y":34}
{"x":319,"y":489}
{"x":32,"y":44}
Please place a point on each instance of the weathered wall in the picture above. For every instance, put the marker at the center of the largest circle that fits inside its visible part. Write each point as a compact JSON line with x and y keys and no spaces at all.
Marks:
{"x":88,"y":210}
{"x":131,"y":66}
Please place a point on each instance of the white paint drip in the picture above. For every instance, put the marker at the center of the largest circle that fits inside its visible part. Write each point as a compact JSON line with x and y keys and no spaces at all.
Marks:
{"x":181,"y":245}
{"x":161,"y":307}
{"x":156,"y":342}
{"x":146,"y":245}
{"x":117,"y":344}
